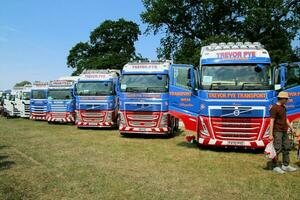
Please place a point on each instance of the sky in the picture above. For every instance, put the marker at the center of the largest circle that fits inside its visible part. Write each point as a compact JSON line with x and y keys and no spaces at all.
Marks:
{"x":36,"y":36}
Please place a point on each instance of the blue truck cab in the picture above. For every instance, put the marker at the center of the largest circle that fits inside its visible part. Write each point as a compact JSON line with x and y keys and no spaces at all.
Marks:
{"x":287,"y":78}
{"x":226,"y":100}
{"x":144,"y":98}
{"x":61,"y":101}
{"x":39,"y":101}
{"x":96,"y":99}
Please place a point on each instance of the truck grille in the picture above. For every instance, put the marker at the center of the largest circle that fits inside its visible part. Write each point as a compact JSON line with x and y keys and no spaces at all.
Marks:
{"x":236,"y":128}
{"x":93,"y":106}
{"x":41,"y":109}
{"x":27,"y":108}
{"x":58,"y":107}
{"x":58,"y":114}
{"x":93,"y":116}
{"x":145,"y":119}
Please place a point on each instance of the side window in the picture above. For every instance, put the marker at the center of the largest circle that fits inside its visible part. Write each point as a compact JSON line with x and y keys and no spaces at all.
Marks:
{"x":196,"y":79}
{"x":181,"y":77}
{"x":277,"y":76}
{"x":292,"y":77}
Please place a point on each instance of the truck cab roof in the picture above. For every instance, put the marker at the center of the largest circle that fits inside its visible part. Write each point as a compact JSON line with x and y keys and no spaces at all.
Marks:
{"x":147,"y":67}
{"x":61,"y":84}
{"x":40,"y":85}
{"x":234,"y":53}
{"x":98,"y":75}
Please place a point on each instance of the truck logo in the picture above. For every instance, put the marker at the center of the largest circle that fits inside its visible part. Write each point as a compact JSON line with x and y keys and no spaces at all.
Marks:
{"x":236,"y":113}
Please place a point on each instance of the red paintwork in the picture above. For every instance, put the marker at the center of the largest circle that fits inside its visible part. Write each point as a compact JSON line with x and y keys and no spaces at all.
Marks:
{"x":95,"y":118}
{"x":38,"y":116}
{"x":294,"y":117}
{"x":61,"y":117}
{"x":190,"y":122}
{"x":134,"y":122}
{"x":252,"y":139}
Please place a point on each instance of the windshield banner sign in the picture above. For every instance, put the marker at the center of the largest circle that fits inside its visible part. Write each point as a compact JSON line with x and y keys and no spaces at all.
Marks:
{"x":235,"y":95}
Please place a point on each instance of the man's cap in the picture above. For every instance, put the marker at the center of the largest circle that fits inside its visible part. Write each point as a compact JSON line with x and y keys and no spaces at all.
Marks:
{"x":283,"y":95}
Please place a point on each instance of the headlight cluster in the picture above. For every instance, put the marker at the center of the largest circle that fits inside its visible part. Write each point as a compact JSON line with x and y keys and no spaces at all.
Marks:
{"x":78,"y":116}
{"x":122,"y":119}
{"x":109,"y":116}
{"x":204,"y":131}
{"x":164,"y":120}
{"x":267,"y":133}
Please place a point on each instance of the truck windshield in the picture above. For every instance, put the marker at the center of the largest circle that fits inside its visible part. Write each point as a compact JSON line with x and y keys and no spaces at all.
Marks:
{"x":236,"y":77}
{"x":148,"y":83}
{"x":38,"y":94}
{"x":97,"y":88}
{"x":59,"y":94}
{"x":25,"y":95}
{"x":12,"y":97}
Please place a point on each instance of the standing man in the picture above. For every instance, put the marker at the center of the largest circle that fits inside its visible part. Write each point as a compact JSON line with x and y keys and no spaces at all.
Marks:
{"x":278,"y":134}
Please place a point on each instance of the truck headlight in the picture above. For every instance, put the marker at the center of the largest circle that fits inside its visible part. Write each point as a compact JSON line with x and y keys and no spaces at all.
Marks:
{"x":267,"y":132}
{"x":204,"y":131}
{"x":78,"y":116}
{"x":122,"y":119}
{"x":164,"y":120}
{"x":109,"y":116}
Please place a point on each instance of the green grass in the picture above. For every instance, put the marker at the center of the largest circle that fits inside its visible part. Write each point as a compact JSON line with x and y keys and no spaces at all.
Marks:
{"x":41,"y":161}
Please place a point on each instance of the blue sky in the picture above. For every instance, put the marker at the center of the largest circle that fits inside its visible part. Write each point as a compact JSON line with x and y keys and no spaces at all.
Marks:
{"x":36,"y":36}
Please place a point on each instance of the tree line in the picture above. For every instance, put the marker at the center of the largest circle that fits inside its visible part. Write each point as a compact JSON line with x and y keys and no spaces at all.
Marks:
{"x":189,"y":24}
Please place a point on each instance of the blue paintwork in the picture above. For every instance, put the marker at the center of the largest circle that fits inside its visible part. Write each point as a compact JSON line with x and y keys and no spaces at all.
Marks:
{"x":38,"y":105}
{"x":153,"y":102}
{"x":129,"y":101}
{"x":197,"y":101}
{"x":293,"y":106}
{"x":92,"y":102}
{"x":66,"y":105}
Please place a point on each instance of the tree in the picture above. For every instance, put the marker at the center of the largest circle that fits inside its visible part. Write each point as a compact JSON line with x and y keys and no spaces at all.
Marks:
{"x":111,"y":45}
{"x":22,"y":83}
{"x":190,"y":24}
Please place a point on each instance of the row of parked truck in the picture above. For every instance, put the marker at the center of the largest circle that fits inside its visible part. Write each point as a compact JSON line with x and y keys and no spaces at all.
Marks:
{"x":225,"y":100}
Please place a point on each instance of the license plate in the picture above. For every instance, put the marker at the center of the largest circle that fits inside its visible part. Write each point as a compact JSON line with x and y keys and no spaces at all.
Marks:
{"x":93,"y":124}
{"x":234,"y":143}
{"x":142,"y":129}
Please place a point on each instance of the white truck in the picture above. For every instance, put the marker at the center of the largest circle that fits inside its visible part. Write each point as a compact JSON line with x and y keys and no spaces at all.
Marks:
{"x":23,"y":101}
{"x":10,"y":107}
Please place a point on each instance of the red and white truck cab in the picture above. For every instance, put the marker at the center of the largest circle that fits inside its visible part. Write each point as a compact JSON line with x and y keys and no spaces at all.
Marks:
{"x":226,"y":100}
{"x":144,"y":98}
{"x":96,"y":99}
{"x":61,"y":101}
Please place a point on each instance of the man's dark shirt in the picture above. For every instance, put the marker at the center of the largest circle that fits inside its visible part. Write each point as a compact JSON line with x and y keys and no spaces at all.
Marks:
{"x":278,"y":113}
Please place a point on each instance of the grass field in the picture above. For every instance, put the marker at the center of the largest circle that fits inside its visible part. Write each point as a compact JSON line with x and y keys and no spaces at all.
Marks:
{"x":41,"y":161}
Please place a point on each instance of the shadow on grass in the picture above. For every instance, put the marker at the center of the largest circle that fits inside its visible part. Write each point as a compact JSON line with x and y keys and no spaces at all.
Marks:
{"x":220,"y":149}
{"x":98,"y":128}
{"x":60,"y":123}
{"x":4,"y":162}
{"x":151,"y":135}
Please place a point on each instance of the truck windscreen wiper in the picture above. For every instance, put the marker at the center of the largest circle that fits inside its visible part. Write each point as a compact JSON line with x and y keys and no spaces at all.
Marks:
{"x":253,"y":85}
{"x":218,"y":84}
{"x":135,"y":89}
{"x":102,"y":93}
{"x":156,"y":89}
